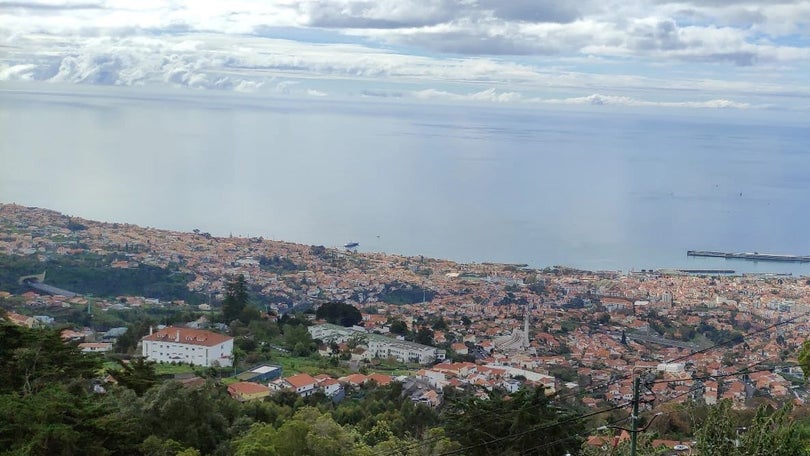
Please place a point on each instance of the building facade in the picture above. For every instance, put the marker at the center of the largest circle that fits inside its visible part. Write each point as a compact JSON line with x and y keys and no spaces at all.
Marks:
{"x":186,"y":345}
{"x":380,"y":346}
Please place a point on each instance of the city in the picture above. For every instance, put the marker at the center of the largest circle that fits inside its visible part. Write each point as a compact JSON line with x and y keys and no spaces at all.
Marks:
{"x":700,"y":338}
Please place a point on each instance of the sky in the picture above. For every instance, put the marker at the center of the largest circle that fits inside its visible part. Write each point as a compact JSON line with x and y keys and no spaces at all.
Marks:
{"x":685,"y":54}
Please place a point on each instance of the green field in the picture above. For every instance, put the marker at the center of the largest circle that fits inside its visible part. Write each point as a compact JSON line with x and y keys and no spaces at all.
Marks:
{"x":295,"y":365}
{"x":174,"y":369}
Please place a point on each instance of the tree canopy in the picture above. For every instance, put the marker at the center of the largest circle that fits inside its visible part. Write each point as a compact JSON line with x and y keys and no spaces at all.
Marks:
{"x":236,"y":299}
{"x":339,"y":313}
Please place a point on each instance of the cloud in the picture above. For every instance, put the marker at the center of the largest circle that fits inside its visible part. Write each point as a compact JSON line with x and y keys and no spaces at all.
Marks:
{"x":490,"y":95}
{"x":379,"y":14}
{"x":734,"y":50}
{"x":601,"y":100}
{"x":493,"y":96}
{"x":22,"y":72}
{"x":557,"y":11}
{"x":46,"y":6}
{"x":372,"y":93}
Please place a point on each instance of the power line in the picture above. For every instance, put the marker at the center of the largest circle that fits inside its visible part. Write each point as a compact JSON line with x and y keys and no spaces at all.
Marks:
{"x":496,"y":416}
{"x":736,"y":340}
{"x":570,"y":437}
{"x":550,"y":444}
{"x":740,"y":338}
{"x":535,"y":429}
{"x":743,"y":371}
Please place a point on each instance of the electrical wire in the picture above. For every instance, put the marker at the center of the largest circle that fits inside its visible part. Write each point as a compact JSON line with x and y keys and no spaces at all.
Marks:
{"x":534,"y":429}
{"x":738,"y":339}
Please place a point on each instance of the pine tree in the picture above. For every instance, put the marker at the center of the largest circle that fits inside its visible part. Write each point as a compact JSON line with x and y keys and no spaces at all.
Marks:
{"x":236,"y":299}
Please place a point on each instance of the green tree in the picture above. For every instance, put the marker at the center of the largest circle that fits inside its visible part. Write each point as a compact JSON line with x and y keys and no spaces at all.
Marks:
{"x":155,"y":446}
{"x":804,"y":358}
{"x":774,"y":434}
{"x":33,"y":359}
{"x":57,"y":421}
{"x":138,"y":374}
{"x":398,"y":327}
{"x":339,"y":313}
{"x":440,"y":324}
{"x":512,"y":425}
{"x":298,"y":339}
{"x":771,"y":433}
{"x":200,"y":418}
{"x":236,"y":298}
{"x":424,"y":336}
{"x":309,"y":432}
{"x":135,"y":331}
{"x":716,"y":435}
{"x":260,"y":440}
{"x":433,"y":443}
{"x":644,"y":447}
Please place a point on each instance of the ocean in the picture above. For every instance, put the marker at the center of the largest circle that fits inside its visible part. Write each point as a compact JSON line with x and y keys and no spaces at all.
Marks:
{"x":591,"y":187}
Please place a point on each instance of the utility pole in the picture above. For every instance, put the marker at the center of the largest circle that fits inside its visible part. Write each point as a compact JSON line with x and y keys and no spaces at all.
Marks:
{"x":634,"y":417}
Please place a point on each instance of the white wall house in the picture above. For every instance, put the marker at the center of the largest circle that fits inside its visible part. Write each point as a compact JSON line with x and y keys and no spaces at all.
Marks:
{"x":186,"y":345}
{"x":404,"y":351}
{"x":303,"y":384}
{"x":379,"y":346}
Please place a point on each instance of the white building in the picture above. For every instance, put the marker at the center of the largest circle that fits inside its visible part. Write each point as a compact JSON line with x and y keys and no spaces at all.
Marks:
{"x":186,"y":345}
{"x":303,"y":384}
{"x":404,"y":351}
{"x":379,"y":346}
{"x":671,"y":367}
{"x":95,"y":347}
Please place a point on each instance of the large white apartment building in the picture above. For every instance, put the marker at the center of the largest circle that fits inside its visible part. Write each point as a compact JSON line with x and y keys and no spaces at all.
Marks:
{"x":404,"y":351}
{"x":186,"y":345}
{"x":380,"y":346}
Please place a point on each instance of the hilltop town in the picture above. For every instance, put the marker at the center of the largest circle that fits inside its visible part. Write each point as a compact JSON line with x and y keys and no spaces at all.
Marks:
{"x":705,"y":338}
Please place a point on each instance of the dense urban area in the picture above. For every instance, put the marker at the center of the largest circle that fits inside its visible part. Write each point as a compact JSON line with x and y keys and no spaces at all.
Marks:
{"x":121,"y":339}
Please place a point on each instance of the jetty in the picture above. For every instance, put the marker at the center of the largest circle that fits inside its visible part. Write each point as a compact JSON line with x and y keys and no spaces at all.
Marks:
{"x":755,"y":256}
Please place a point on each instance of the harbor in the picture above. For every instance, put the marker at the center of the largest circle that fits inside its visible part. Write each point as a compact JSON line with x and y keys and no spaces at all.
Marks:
{"x":755,"y":256}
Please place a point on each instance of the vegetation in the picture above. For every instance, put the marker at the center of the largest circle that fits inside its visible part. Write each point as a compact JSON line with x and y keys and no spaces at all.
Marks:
{"x":49,"y":405}
{"x":53,"y":401}
{"x":91,"y":274}
{"x":339,"y":313}
{"x":524,"y":423}
{"x":401,"y":293}
{"x":771,"y":432}
{"x":235,"y":305}
{"x":278,"y":265}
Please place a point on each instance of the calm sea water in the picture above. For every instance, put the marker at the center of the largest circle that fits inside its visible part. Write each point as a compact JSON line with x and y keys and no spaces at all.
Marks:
{"x":595,"y":188}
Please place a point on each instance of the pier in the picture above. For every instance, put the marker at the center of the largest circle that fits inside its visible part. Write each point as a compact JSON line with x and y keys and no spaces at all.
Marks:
{"x":755,"y":256}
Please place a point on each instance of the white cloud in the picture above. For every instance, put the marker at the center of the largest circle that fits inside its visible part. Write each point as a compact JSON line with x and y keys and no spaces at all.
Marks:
{"x":22,"y":72}
{"x":490,"y":95}
{"x":723,"y":49}
{"x":600,"y":100}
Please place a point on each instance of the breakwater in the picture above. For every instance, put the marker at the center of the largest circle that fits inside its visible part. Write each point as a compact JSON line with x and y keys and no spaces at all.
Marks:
{"x":755,"y":256}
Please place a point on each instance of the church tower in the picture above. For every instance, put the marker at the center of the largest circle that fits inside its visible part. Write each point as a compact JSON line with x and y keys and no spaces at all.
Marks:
{"x":526,"y":315}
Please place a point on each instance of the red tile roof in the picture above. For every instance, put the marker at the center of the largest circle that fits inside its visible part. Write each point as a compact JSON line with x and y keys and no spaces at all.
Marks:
{"x":300,"y":380}
{"x":247,"y":388}
{"x":381,"y":379}
{"x":188,"y":336}
{"x":354,"y":379}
